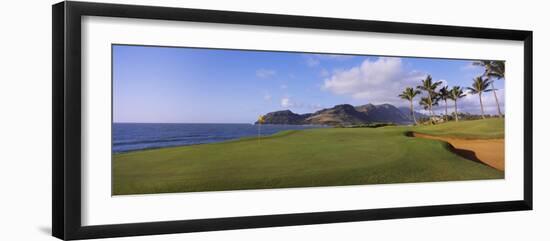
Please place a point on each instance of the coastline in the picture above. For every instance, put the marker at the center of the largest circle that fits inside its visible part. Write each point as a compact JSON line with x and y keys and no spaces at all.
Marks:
{"x":305,"y":158}
{"x":245,"y":138}
{"x":129,"y":137}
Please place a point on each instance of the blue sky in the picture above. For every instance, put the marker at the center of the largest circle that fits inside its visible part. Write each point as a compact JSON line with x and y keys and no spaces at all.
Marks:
{"x":190,"y":85}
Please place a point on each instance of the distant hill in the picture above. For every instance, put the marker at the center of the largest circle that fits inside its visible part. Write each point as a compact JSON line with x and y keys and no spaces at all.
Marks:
{"x":284,"y":117}
{"x":344,"y":114}
{"x":337,"y":115}
{"x":383,"y":113}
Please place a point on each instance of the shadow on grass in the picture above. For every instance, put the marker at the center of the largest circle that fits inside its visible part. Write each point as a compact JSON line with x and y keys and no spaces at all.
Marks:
{"x":464,"y":153}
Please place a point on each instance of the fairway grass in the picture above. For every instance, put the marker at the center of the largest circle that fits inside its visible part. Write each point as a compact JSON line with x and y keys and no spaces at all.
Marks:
{"x":305,"y":158}
{"x":471,"y":129}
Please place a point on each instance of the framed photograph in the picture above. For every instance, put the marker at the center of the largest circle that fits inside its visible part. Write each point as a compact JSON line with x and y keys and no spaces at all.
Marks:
{"x":171,"y":120}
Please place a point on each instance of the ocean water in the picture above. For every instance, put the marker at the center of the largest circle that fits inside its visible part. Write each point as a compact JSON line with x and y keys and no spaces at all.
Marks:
{"x":139,"y":136}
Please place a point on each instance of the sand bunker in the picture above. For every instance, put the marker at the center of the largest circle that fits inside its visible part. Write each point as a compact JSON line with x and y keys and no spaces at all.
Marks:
{"x":489,"y":151}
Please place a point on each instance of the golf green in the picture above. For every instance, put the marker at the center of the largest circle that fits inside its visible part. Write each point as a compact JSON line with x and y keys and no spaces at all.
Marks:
{"x":306,"y":158}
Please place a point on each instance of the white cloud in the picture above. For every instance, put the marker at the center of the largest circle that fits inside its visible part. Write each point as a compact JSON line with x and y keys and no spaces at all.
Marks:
{"x":444,"y":83}
{"x":284,"y":87}
{"x":380,"y":80}
{"x":376,"y":81}
{"x":267,"y":97}
{"x":311,"y":61}
{"x":265,"y":73}
{"x":470,"y":104}
{"x":286,"y":103}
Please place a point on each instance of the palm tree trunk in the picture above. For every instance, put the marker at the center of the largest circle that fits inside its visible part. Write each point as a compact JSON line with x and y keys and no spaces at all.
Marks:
{"x":481,"y":104}
{"x":412,"y":113}
{"x":456,"y":112}
{"x":430,"y":112}
{"x":496,"y":99}
{"x":446,"y":110}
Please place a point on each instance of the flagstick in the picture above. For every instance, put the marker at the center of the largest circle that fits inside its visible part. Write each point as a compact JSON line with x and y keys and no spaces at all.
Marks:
{"x":260,"y":121}
{"x":259,"y":131}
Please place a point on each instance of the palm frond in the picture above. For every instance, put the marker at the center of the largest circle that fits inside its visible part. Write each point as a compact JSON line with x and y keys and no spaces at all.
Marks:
{"x":456,"y":93}
{"x":493,"y":68}
{"x":409,"y":93}
{"x":472,"y":90}
{"x":480,"y":84}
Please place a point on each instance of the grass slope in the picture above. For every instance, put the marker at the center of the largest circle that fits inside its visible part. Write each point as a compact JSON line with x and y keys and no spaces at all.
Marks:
{"x":314,"y":157}
{"x":473,"y":129}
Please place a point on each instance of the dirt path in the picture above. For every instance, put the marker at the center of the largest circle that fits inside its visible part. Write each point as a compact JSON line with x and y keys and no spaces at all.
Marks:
{"x":490,"y":151}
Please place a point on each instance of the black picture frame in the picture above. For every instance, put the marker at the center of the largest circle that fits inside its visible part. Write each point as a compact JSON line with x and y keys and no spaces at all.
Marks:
{"x":66,"y":75}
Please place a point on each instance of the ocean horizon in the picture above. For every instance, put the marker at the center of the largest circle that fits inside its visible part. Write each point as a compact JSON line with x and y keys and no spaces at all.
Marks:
{"x":133,"y":136}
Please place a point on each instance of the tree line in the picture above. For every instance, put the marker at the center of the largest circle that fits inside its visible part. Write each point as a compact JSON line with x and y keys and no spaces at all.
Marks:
{"x":494,"y":70}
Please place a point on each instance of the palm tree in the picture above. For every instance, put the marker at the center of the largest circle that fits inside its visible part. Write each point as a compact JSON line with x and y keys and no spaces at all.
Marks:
{"x":429,"y":86}
{"x":409,"y":94}
{"x":455,"y":94}
{"x":493,"y":69}
{"x":479,"y":86}
{"x":425,"y":103}
{"x":444,"y":95}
